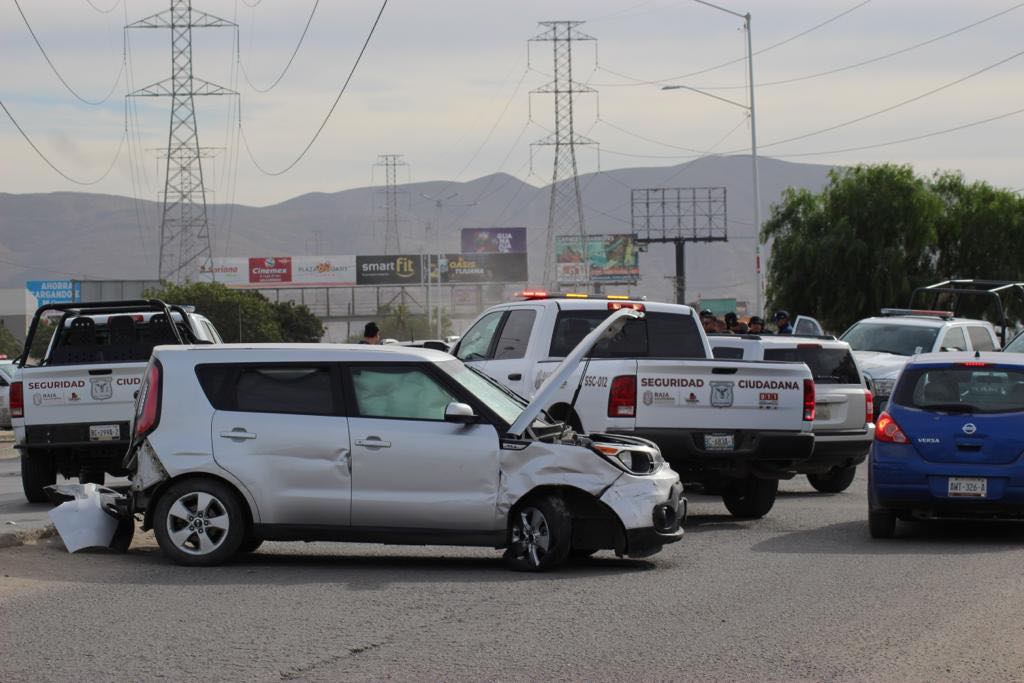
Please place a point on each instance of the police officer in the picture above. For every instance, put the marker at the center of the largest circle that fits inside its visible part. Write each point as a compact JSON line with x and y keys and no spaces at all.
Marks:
{"x":756,"y":325}
{"x":781,"y":319}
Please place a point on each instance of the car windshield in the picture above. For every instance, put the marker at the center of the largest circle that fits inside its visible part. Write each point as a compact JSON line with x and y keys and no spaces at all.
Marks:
{"x":963,"y":389}
{"x":7,"y":370}
{"x":902,"y":340}
{"x":504,"y":404}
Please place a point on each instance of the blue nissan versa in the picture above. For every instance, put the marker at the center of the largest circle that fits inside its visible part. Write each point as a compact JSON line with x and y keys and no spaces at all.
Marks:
{"x":950,"y":443}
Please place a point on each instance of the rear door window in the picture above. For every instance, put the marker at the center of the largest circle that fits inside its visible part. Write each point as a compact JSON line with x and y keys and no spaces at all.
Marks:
{"x":515,"y":334}
{"x":962,"y":389}
{"x":981,"y":340}
{"x":828,"y":366}
{"x":954,"y":339}
{"x":729,"y":352}
{"x":292,"y":389}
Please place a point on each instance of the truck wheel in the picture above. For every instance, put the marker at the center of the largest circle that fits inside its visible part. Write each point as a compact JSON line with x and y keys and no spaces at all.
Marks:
{"x":882,"y":523}
{"x":37,"y":471}
{"x":836,"y":480}
{"x":249,"y":545}
{"x":750,"y":498}
{"x":199,"y":522}
{"x":541,"y":534}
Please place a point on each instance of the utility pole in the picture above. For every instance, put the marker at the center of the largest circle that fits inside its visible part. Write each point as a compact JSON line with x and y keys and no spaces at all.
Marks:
{"x":185,"y":249}
{"x":565,"y":211}
{"x":439,"y":204}
{"x":391,"y":162}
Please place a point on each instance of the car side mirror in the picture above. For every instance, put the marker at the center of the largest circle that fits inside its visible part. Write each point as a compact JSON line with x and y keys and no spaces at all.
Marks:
{"x":460,"y":413}
{"x":436,"y":345}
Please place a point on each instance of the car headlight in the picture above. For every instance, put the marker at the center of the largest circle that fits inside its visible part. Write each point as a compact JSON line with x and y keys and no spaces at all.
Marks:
{"x":633,"y":460}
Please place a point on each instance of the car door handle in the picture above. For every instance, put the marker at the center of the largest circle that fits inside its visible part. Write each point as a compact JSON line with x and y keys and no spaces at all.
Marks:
{"x":373,"y":442}
{"x":238,"y":433}
{"x":515,"y":376}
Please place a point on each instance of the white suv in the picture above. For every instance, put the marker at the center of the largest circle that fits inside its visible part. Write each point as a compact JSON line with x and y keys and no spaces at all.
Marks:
{"x":843,"y":410}
{"x":883,"y":344}
{"x":233,"y":445}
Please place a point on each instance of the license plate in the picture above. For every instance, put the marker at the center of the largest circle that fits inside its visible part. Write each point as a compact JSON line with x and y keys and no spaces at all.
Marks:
{"x":822,"y":411}
{"x":968,"y":487}
{"x":719,"y":442}
{"x":104,"y":432}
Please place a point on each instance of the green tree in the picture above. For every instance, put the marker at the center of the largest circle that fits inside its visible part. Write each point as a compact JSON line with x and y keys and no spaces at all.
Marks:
{"x":9,"y":346}
{"x":297,"y":323}
{"x":862,"y":243}
{"x":41,"y":340}
{"x":244,"y":315}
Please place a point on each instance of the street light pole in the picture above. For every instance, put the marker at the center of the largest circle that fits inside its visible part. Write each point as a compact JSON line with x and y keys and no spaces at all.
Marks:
{"x":759,"y":294}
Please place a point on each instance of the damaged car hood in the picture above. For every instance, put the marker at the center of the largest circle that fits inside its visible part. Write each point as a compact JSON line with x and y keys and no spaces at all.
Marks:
{"x":608,"y":328}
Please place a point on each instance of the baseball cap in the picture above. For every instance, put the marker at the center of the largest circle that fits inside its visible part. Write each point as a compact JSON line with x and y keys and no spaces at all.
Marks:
{"x":779,"y":315}
{"x":707,"y":313}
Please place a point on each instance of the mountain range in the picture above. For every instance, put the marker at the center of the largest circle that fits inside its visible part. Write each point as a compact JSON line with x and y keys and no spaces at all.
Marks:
{"x":71,"y":235}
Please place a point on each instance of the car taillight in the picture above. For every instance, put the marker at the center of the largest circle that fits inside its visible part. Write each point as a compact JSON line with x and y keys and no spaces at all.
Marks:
{"x":622,"y":397}
{"x":869,"y":406}
{"x":147,"y":411}
{"x":16,"y":397}
{"x":808,"y":400}
{"x":888,"y":431}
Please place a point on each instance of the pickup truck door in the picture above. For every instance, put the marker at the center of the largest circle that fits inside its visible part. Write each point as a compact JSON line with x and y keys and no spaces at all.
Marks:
{"x":508,"y":358}
{"x":806,"y":325}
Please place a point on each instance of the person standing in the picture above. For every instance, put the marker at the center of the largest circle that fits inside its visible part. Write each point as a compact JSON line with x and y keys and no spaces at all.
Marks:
{"x":781,"y":319}
{"x":371,"y":334}
{"x":756,"y":325}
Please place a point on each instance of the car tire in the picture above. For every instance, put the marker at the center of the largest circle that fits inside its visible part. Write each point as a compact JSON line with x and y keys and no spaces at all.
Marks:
{"x":540,"y":534}
{"x":750,"y":498}
{"x":37,"y":472}
{"x":882,"y":523}
{"x":183,"y":527}
{"x":582,"y":553}
{"x":836,"y":480}
{"x":250,"y":545}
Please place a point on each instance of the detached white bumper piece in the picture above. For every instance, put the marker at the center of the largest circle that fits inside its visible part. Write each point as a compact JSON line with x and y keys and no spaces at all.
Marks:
{"x":91,"y":516}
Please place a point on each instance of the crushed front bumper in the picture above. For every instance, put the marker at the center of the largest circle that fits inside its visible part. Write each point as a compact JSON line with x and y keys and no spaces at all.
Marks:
{"x":652,"y":510}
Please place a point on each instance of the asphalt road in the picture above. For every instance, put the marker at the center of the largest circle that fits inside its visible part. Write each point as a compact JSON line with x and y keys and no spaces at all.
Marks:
{"x":803,"y":594}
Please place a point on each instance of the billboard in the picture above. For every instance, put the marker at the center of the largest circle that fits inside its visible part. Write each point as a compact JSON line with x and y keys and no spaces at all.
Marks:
{"x":49,"y":292}
{"x":480,"y":268}
{"x":404,"y":269}
{"x":493,"y":240}
{"x":283,"y":271}
{"x":612,"y":259}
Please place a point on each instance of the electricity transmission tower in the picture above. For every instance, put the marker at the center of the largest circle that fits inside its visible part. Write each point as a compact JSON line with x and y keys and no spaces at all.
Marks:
{"x":184,"y":228}
{"x":565,"y":212}
{"x":391,"y":162}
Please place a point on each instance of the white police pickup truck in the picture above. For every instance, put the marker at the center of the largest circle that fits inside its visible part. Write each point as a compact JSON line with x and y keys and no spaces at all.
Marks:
{"x":71,"y":408}
{"x":735,"y":427}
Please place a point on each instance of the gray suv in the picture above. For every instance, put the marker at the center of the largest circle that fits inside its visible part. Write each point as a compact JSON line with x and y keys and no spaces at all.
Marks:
{"x":233,"y":445}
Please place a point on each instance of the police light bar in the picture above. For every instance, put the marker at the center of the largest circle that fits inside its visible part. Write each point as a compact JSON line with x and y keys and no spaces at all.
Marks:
{"x":916,"y":311}
{"x":618,"y":305}
{"x":575,"y":295}
{"x":533,"y":294}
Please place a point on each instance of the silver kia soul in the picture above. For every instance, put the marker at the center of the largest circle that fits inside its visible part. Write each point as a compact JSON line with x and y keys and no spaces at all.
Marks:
{"x":233,"y":445}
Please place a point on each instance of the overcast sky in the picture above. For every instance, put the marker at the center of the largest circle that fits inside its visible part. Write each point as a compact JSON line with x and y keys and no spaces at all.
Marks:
{"x":446,"y":83}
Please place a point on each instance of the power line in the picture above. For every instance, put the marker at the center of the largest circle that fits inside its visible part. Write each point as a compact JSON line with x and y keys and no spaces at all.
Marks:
{"x":898,"y":104}
{"x":910,"y":139}
{"x":51,"y":164}
{"x":327,"y":118}
{"x":640,"y":81}
{"x":291,"y":59}
{"x":47,"y":269}
{"x":101,"y":10}
{"x":56,"y":73}
{"x":873,"y":60}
